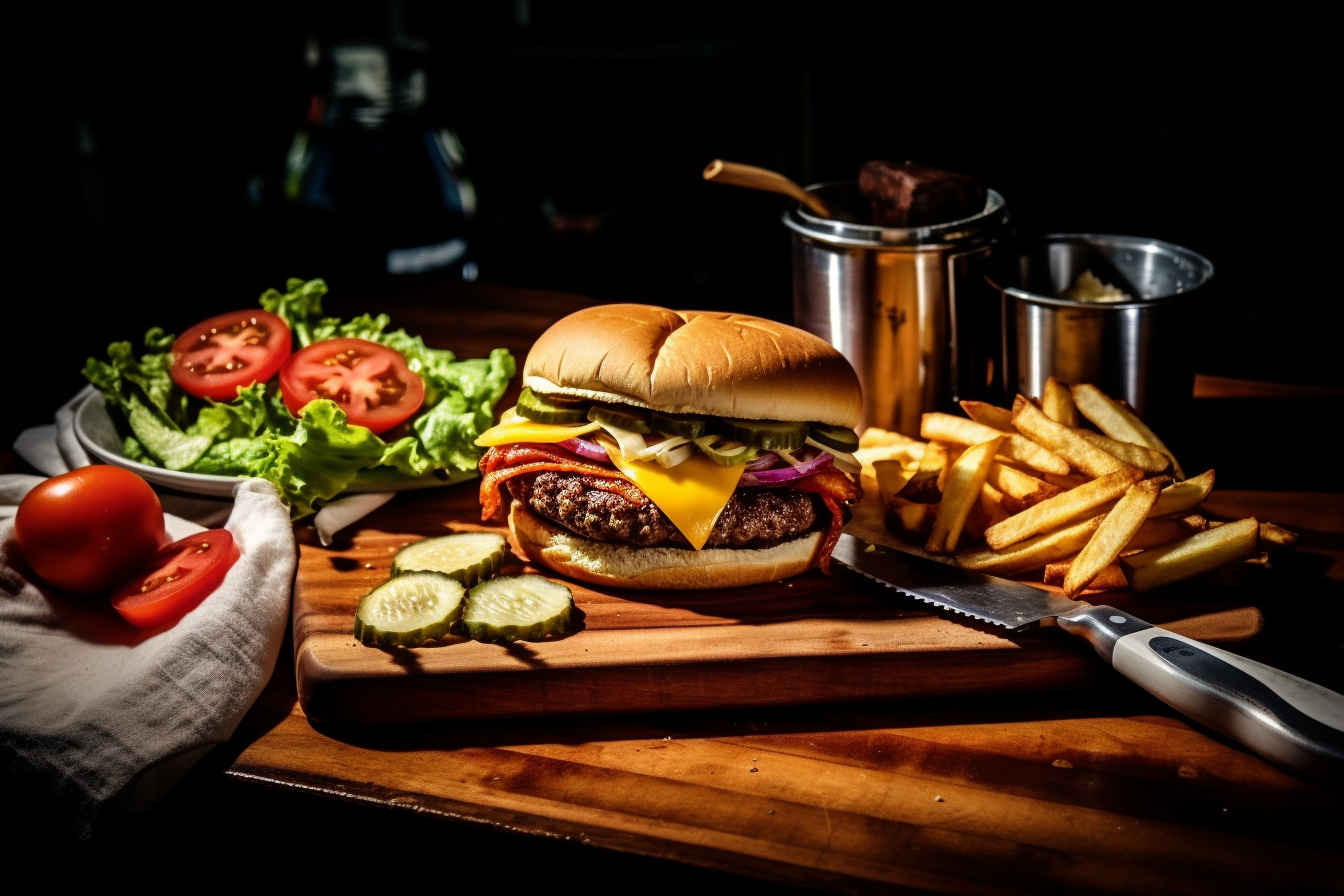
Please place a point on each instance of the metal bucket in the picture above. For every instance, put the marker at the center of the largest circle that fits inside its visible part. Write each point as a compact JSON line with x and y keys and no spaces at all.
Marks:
{"x":1140,"y":350}
{"x":909,"y":307}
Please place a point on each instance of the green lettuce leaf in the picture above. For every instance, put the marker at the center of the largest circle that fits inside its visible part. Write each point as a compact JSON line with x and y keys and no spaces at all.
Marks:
{"x":314,"y":458}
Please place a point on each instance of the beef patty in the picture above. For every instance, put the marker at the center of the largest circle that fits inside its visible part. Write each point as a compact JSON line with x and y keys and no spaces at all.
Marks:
{"x":614,"y":510}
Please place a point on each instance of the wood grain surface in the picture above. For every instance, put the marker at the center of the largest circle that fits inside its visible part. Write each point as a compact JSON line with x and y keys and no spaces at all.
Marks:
{"x":1077,"y":783}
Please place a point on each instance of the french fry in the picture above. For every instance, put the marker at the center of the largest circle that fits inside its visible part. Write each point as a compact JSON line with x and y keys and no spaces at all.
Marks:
{"x":1158,"y":532}
{"x":1277,"y":537}
{"x":1081,"y":454}
{"x":1118,"y":421}
{"x":982,"y":511}
{"x":989,"y":414}
{"x":965,"y":479}
{"x":1062,"y":509}
{"x":922,"y":487}
{"x":953,"y":454}
{"x":910,"y":519}
{"x":958,"y":430}
{"x":891,"y":478}
{"x":1067,"y":481}
{"x":1022,"y":488}
{"x":1201,"y":552}
{"x":1112,"y":535}
{"x":1146,"y":459}
{"x":1184,"y":495}
{"x":1110,"y":578}
{"x":1057,"y":402}
{"x":876,"y":437}
{"x":1033,"y":553}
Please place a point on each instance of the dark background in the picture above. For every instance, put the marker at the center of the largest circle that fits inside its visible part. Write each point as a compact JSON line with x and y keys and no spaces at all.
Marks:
{"x":154,"y":146}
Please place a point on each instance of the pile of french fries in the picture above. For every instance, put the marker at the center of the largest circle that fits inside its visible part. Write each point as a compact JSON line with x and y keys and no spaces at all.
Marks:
{"x":1071,"y":486}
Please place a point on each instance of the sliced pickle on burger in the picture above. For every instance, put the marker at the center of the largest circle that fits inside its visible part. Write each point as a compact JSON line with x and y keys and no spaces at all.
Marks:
{"x":621,"y":416}
{"x":725,"y":452}
{"x":685,"y":425}
{"x":561,"y":409}
{"x":835,"y":437}
{"x":768,"y":435}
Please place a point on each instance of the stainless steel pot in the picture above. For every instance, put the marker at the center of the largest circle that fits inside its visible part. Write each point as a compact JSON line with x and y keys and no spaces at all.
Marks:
{"x":909,"y":307}
{"x":1141,"y":350}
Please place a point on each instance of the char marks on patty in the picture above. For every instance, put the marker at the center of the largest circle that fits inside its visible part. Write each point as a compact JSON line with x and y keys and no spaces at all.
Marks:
{"x":614,"y":510}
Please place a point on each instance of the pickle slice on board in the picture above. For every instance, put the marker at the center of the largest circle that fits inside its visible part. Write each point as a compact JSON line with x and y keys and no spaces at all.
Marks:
{"x":559,"y":409}
{"x":768,"y":435}
{"x":469,"y":557}
{"x":409,"y":610}
{"x":517,"y":608}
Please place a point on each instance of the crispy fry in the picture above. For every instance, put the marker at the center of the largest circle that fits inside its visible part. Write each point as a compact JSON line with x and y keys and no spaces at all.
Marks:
{"x":1057,"y":402}
{"x":958,"y":430}
{"x":1033,"y":553}
{"x":965,"y":479}
{"x":1183,"y":495}
{"x":1277,"y":537}
{"x":1111,"y":536}
{"x":1118,"y":421}
{"x":1067,"y":481}
{"x":1158,"y":532}
{"x":990,"y":415}
{"x":875,"y":437}
{"x":1189,"y":557}
{"x":1062,"y":509}
{"x":910,"y":519}
{"x":1023,"y":487}
{"x":1110,"y":578}
{"x":891,"y":478}
{"x":1144,"y":458}
{"x":1081,"y":454}
{"x":922,"y":487}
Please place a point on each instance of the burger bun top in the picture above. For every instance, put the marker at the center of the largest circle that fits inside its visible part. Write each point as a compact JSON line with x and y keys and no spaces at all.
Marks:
{"x":695,"y":362}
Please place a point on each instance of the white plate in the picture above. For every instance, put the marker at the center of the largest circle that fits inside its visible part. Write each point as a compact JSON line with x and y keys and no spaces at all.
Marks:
{"x":95,"y":431}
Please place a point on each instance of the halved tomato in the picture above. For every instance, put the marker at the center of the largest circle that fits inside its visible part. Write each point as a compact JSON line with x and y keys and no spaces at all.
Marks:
{"x":217,"y":357}
{"x":370,"y":382}
{"x":179,"y":577}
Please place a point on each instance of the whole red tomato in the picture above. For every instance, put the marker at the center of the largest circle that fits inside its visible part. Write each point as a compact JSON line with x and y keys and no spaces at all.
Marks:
{"x":88,"y":530}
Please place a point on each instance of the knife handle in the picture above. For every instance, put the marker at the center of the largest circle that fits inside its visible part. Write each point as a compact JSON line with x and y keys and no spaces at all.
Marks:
{"x":1286,"y":719}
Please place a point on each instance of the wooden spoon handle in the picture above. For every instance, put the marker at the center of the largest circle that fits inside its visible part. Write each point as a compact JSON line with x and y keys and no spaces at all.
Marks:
{"x":723,"y":172}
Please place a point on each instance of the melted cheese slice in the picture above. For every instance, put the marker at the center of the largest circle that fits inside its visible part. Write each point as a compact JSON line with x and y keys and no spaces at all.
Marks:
{"x":514,"y":428}
{"x":692,"y":494}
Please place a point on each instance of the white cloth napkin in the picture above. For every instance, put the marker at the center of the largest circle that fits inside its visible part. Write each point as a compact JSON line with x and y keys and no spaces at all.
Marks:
{"x":98,"y":717}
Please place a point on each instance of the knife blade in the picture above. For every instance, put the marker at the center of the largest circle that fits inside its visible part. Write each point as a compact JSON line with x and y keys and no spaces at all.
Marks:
{"x":1290,"y":721}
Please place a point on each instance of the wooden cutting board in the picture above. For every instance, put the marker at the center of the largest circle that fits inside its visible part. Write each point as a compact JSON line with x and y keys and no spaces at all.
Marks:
{"x":812,"y":639}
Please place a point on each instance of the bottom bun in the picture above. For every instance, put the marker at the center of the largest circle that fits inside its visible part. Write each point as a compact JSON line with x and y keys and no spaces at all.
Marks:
{"x":626,"y":566}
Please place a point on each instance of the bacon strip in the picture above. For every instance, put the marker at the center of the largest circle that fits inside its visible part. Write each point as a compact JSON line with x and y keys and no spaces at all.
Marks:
{"x":499,"y":464}
{"x":504,"y":462}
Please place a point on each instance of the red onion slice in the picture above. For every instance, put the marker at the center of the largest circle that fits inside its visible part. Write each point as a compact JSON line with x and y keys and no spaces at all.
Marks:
{"x":787,"y":473}
{"x":584,"y":448}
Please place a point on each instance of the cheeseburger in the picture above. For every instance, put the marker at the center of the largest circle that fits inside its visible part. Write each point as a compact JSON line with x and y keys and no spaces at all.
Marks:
{"x":653,"y":448}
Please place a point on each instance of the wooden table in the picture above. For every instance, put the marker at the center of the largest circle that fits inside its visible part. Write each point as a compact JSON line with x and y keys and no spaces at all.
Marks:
{"x":1095,"y":789}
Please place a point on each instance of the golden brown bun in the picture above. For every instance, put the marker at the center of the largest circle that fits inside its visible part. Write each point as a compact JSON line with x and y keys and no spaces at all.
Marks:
{"x":624,"y":566}
{"x":694,"y":362}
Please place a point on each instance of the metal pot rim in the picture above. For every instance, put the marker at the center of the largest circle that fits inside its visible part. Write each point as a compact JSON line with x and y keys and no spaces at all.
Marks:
{"x":987,"y":223}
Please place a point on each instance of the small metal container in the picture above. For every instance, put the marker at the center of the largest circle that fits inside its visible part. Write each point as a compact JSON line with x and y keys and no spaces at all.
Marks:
{"x":1141,"y":350}
{"x":909,"y":307}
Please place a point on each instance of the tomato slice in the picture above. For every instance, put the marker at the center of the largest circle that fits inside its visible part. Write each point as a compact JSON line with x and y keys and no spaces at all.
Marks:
{"x":370,"y":382}
{"x":217,"y":357}
{"x":179,"y":577}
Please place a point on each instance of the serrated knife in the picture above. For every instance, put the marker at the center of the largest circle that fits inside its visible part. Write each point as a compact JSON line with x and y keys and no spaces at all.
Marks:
{"x":1290,"y":721}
